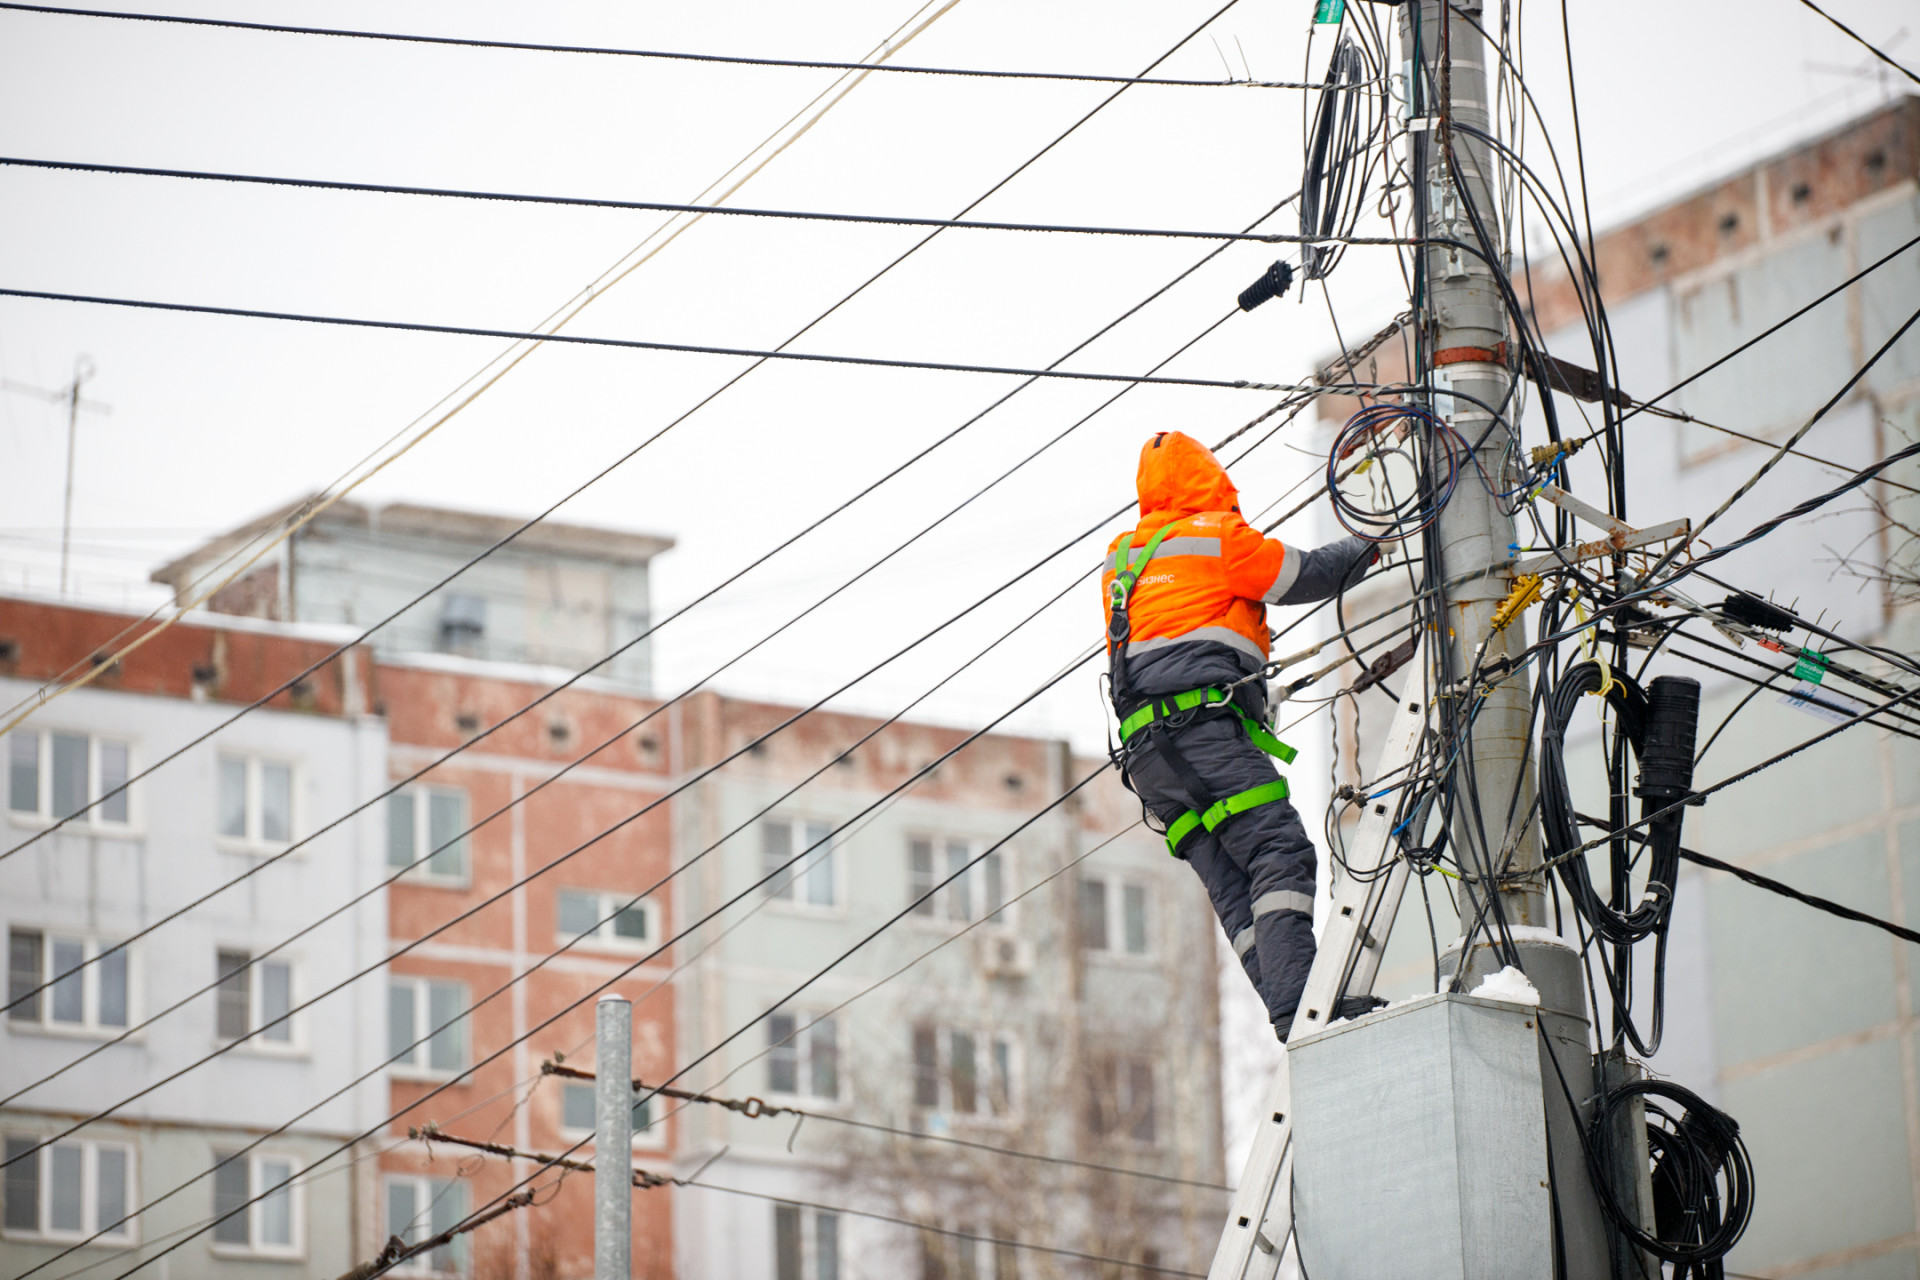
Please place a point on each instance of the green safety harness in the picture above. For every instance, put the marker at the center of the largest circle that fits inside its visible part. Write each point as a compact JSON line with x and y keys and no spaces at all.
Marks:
{"x":1155,"y":718}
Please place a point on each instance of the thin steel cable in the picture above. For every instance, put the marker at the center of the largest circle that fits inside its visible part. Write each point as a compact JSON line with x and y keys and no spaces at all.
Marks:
{"x":1862,"y":41}
{"x":649,"y":206}
{"x":542,"y":1025}
{"x":1780,"y":453}
{"x":658,"y":54}
{"x":820,"y":602}
{"x":636,"y":344}
{"x":774,"y":145}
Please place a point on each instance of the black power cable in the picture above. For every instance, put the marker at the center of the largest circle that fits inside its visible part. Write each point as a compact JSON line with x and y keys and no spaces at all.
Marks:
{"x":520,"y":46}
{"x":1702,"y":1176}
{"x":640,"y":206}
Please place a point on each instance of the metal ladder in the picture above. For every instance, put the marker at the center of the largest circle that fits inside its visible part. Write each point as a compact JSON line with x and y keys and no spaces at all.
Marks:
{"x":1260,"y":1219}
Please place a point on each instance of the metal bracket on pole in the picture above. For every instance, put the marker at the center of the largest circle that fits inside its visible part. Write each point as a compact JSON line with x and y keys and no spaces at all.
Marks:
{"x":1620,"y":535}
{"x":613,"y":1139}
{"x":1260,"y":1218}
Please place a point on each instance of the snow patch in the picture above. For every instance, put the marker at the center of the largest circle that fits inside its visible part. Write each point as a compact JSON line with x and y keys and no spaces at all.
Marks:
{"x":1509,"y":985}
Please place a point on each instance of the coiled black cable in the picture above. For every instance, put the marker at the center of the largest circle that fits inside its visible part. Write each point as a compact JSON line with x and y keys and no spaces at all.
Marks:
{"x":1435,"y":451}
{"x":1333,"y":189}
{"x":1702,"y":1177}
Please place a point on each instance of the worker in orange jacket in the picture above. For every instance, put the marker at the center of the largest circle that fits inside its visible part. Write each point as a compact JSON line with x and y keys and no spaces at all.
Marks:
{"x":1187,"y":592}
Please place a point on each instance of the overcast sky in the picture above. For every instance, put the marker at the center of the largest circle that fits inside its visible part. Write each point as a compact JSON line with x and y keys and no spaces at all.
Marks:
{"x":215,"y":420}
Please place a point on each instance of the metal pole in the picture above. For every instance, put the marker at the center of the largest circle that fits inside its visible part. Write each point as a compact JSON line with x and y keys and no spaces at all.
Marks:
{"x":613,"y":1140}
{"x":1466,"y":319}
{"x":1463,"y":323}
{"x":82,"y":370}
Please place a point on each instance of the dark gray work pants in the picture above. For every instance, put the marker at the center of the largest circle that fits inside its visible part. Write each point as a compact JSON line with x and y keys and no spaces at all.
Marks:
{"x":1258,"y":866}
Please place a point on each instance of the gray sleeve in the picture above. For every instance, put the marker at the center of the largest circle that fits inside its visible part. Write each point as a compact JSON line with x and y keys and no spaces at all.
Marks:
{"x":1325,"y":570}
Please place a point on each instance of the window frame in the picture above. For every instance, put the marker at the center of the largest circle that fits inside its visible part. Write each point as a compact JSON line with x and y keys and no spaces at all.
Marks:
{"x":90,"y":819}
{"x":296,"y":1209}
{"x":420,"y":869}
{"x":254,"y":1041}
{"x":422,"y":985}
{"x":603,"y":938}
{"x":651,"y":1138}
{"x":994,"y":1255}
{"x":423,"y":1184}
{"x":1114,"y":941}
{"x":807,"y":1231}
{"x":799,"y":876}
{"x":90,"y":1148}
{"x":254,"y":810}
{"x":1124,"y":1122}
{"x":979,"y":913}
{"x":991,"y":1079}
{"x":89,"y":1027}
{"x":800,"y":1042}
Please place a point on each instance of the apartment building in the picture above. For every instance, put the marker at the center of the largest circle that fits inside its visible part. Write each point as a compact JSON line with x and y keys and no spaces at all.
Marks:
{"x":291,"y":1092}
{"x":995,"y":965}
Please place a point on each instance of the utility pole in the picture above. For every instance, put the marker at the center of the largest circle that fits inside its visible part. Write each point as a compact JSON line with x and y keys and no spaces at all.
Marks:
{"x":1464,"y":324}
{"x":613,"y":1139}
{"x":82,"y":370}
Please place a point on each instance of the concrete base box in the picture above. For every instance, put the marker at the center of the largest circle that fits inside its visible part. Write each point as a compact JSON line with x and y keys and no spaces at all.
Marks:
{"x":1419,"y":1141}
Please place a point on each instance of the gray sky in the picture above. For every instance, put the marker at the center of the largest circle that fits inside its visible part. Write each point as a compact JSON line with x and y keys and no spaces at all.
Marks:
{"x":215,"y":420}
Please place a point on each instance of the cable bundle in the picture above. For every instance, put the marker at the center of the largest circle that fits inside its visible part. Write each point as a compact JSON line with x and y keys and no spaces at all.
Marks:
{"x":1702,"y":1177}
{"x":1417,"y":430}
{"x":1334,"y":188}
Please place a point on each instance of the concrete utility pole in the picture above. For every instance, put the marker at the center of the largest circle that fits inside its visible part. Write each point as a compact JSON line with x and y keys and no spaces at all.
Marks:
{"x":613,"y":1139}
{"x":1464,"y":320}
{"x":82,"y":370}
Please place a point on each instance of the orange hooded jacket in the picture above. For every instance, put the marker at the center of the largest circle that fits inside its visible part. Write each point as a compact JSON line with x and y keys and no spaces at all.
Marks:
{"x":1198,"y":612}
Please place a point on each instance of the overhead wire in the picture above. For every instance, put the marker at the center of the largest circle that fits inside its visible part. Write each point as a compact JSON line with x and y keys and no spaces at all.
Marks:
{"x":635,"y":344}
{"x":651,"y":206}
{"x":654,"y":54}
{"x":482,"y":381}
{"x":1055,"y":680}
{"x":820,"y":601}
{"x":1863,"y":42}
{"x":565,"y":313}
{"x":723,"y":906}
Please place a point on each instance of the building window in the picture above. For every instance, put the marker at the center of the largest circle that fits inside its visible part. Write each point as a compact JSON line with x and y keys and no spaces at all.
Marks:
{"x":1114,"y":916}
{"x":426,"y":830}
{"x":256,"y":802}
{"x":259,"y":1191}
{"x":97,"y":998}
{"x":615,"y":921}
{"x":958,"y":1257}
{"x":254,"y":998}
{"x":809,"y":881}
{"x":803,"y":1061}
{"x":70,"y":1190}
{"x":962,"y":1072}
{"x":1121,"y":1102}
{"x":427,"y":1026}
{"x":463,"y":624}
{"x":806,"y":1243}
{"x":53,"y":775}
{"x":577,"y":1113}
{"x":421,"y":1208}
{"x":976,"y":891}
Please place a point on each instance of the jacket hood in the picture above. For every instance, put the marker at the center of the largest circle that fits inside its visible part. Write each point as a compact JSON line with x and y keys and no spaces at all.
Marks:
{"x":1179,"y":477}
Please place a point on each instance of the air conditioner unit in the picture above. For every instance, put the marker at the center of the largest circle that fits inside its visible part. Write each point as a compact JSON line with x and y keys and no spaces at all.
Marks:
{"x":1005,"y":956}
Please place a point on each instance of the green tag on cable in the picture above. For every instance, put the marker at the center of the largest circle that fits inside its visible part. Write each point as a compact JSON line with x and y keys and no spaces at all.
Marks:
{"x":1329,"y":11}
{"x":1810,"y":666}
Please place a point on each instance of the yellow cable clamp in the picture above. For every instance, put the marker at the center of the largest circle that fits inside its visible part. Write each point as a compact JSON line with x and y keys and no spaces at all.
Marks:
{"x":1526,"y":591}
